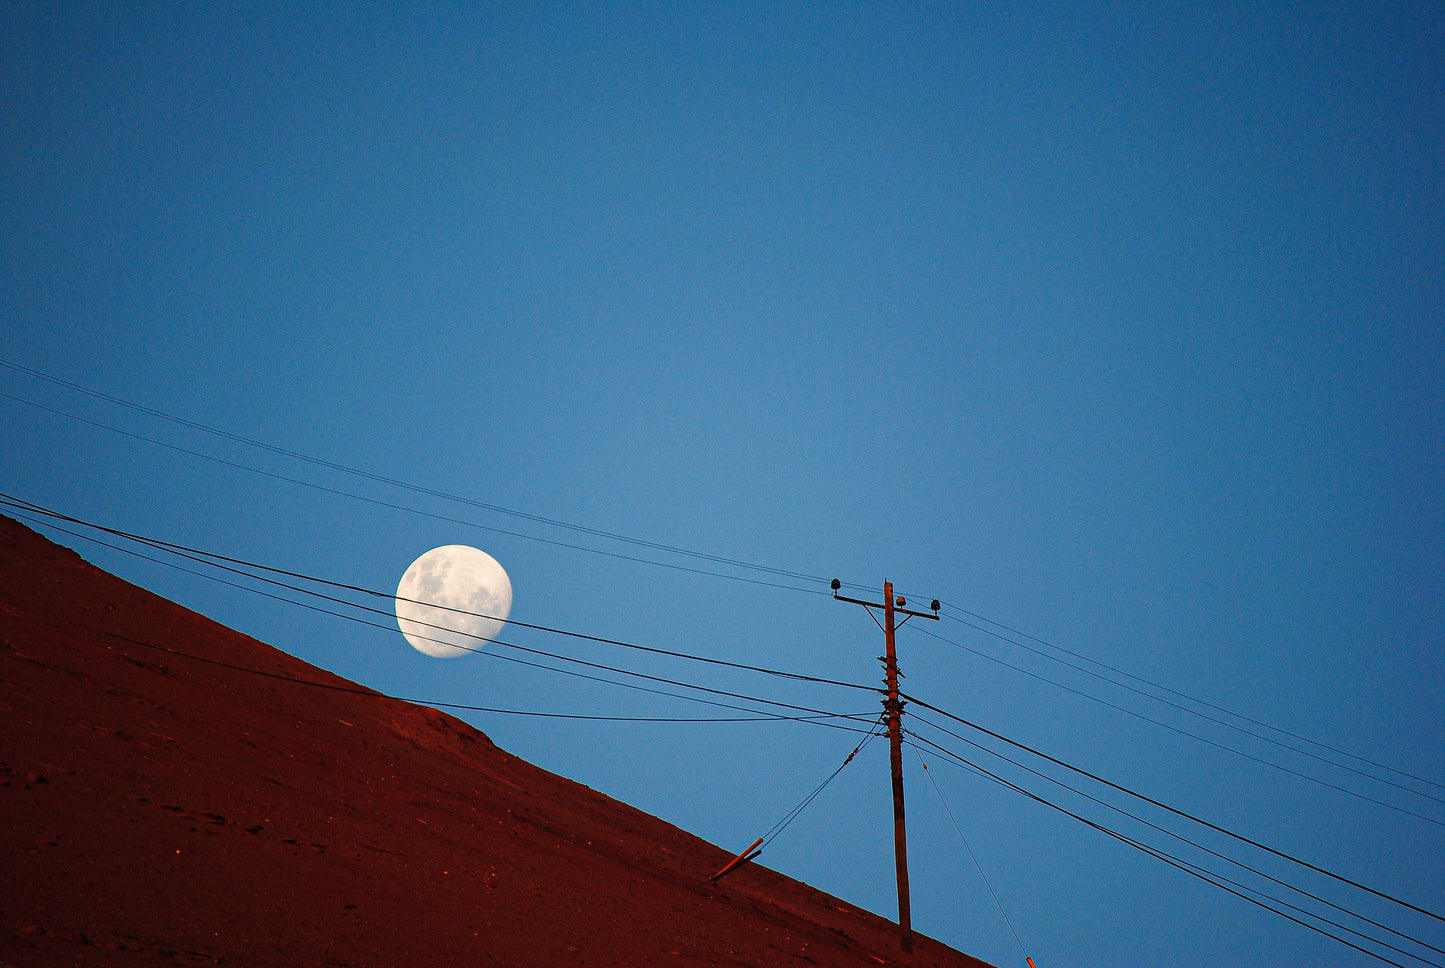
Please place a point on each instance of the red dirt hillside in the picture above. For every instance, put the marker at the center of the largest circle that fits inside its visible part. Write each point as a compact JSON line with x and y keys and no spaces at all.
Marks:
{"x":175,"y":793}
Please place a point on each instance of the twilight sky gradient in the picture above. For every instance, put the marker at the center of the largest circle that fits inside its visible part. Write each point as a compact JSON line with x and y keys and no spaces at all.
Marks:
{"x":1118,"y":324}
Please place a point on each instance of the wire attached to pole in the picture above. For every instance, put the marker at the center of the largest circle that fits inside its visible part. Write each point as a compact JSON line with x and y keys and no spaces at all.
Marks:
{"x":949,"y":810}
{"x":756,"y":847}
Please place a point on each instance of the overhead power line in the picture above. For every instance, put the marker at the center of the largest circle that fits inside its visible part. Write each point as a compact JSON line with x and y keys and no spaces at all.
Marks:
{"x":699,"y":556}
{"x":1225,"y":884}
{"x":1174,"y":692}
{"x":1188,"y":841}
{"x":1223,"y":746}
{"x":797,"y":712}
{"x":761,"y":715}
{"x":200,"y":557}
{"x":408,"y":485}
{"x":378,"y":502}
{"x":236,"y":566}
{"x":1175,"y":811}
{"x":1110,"y":705}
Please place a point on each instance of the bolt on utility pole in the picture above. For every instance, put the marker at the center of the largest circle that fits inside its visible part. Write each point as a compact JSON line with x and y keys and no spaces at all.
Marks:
{"x":893,"y":707}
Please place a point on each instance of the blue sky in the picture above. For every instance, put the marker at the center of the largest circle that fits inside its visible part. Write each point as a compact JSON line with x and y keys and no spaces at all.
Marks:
{"x":1119,"y":325}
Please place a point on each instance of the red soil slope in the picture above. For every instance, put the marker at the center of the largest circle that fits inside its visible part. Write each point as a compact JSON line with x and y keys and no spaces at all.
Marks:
{"x":175,"y":793}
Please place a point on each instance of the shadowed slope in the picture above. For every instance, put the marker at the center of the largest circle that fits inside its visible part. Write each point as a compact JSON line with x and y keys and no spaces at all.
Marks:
{"x":173,"y":792}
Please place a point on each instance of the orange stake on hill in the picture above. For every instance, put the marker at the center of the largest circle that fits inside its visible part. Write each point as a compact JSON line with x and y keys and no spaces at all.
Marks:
{"x":742,"y":858}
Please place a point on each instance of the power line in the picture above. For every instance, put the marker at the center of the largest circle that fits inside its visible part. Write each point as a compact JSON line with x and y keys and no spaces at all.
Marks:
{"x":227,"y":563}
{"x":701,"y":556}
{"x":508,"y":645}
{"x":193,"y":552}
{"x":1160,"y":829}
{"x":325,"y":489}
{"x":675,"y":566}
{"x":1251,"y":895}
{"x":761,"y":716}
{"x":1182,"y":695}
{"x":479,"y":651}
{"x":720,"y":559}
{"x":1179,"y":813}
{"x":815,"y":715}
{"x":1217,"y":745}
{"x":407,"y":485}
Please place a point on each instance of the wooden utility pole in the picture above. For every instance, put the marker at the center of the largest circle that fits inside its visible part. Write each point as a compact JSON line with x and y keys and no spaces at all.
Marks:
{"x":893,"y":708}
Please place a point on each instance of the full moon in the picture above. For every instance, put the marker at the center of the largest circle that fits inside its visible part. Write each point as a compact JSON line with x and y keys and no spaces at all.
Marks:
{"x":451,"y":600}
